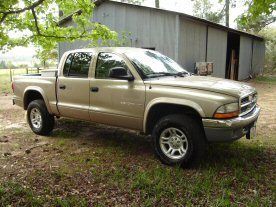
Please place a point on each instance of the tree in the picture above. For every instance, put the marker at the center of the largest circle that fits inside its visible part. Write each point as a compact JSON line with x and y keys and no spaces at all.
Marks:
{"x":3,"y":65}
{"x":47,"y":57}
{"x":270,"y":53}
{"x":157,"y":4}
{"x":38,"y":22}
{"x":260,"y":14}
{"x":10,"y":65}
{"x":202,"y":9}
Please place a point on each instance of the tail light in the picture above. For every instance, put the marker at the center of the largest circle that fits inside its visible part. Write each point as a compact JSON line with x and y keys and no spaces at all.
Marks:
{"x":12,"y":87}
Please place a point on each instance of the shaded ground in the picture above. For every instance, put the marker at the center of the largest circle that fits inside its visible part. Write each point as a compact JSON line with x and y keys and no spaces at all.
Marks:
{"x":85,"y":164}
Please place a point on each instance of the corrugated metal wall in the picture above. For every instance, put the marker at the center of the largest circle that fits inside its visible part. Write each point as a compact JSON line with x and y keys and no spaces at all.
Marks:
{"x":216,"y":50}
{"x":151,"y":28}
{"x":147,"y":27}
{"x":192,"y":43}
{"x":245,"y":57}
{"x":258,"y":56}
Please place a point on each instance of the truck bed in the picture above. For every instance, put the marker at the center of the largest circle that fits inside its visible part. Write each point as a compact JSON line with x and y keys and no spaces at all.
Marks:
{"x":44,"y":83}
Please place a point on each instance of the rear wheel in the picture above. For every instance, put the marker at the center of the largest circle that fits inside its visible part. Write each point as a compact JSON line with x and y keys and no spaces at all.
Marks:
{"x":178,"y":140}
{"x":39,"y":119}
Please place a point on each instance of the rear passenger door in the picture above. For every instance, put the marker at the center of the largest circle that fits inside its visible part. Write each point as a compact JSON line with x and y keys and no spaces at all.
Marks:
{"x":73,"y":86}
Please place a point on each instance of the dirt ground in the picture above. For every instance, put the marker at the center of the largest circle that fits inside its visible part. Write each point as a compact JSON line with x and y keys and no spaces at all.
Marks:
{"x":86,"y":164}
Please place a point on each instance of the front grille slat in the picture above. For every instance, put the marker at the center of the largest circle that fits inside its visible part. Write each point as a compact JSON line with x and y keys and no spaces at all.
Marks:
{"x":248,"y":103}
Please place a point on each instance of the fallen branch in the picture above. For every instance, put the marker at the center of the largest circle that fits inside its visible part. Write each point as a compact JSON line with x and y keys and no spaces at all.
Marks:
{"x":28,"y":151}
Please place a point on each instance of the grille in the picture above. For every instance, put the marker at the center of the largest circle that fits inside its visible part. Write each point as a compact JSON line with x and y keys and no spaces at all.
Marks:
{"x":248,"y":103}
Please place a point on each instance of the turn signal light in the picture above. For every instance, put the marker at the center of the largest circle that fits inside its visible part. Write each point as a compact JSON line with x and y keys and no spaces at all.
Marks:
{"x":226,"y":115}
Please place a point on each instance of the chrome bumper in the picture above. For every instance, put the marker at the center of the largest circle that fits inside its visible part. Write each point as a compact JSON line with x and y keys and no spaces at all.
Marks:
{"x":230,"y":129}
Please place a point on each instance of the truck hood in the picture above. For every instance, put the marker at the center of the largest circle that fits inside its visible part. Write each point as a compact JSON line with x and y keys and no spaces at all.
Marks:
{"x":218,"y":85}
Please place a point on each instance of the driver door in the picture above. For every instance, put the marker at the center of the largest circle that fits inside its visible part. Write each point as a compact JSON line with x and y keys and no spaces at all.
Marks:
{"x":113,"y":101}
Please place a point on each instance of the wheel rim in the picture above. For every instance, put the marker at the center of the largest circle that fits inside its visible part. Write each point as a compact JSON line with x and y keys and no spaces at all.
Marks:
{"x":173,"y":143}
{"x":35,"y":117}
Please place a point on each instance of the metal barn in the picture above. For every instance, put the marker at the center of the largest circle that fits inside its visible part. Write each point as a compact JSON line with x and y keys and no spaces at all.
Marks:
{"x":186,"y":39}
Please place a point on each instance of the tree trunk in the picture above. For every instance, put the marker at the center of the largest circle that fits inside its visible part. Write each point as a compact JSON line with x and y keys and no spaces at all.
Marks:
{"x":157,"y":4}
{"x":227,"y":13}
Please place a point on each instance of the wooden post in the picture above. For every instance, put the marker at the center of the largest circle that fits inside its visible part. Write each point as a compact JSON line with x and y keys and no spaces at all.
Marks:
{"x":27,"y":70}
{"x":10,"y":75}
{"x":37,"y":70}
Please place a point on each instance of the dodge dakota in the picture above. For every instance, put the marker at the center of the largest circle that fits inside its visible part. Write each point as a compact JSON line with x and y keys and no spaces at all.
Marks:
{"x":141,"y":90}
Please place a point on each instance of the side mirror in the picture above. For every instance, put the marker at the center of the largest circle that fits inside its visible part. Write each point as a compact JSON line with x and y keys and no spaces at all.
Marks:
{"x":120,"y":73}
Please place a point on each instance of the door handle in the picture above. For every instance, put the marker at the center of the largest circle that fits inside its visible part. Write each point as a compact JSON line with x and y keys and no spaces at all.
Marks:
{"x":62,"y":87}
{"x":94,"y":89}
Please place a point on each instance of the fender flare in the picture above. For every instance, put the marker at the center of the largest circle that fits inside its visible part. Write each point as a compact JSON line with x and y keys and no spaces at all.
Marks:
{"x":42,"y":93}
{"x":172,"y":101}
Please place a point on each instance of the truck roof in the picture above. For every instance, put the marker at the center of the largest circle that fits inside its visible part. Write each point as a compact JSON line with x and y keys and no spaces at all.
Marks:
{"x":108,"y":49}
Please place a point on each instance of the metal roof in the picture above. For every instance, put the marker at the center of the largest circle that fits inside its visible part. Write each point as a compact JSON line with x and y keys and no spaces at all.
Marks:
{"x":187,"y":16}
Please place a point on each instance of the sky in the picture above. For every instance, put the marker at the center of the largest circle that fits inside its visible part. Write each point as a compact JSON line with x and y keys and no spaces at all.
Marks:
{"x":184,"y":6}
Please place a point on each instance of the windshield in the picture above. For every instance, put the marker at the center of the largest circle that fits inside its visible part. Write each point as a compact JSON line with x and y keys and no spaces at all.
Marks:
{"x":154,"y":64}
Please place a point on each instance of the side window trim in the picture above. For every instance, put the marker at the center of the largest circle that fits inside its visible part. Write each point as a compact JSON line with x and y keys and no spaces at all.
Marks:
{"x":73,"y":56}
{"x":68,"y":56}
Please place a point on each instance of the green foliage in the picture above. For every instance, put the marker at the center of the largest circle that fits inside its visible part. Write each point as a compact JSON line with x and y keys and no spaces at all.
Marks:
{"x":46,"y":57}
{"x":203,"y":9}
{"x":10,"y":65}
{"x":270,"y":54}
{"x":259,"y":14}
{"x":3,"y":65}
{"x":37,"y":22}
{"x":266,"y":79}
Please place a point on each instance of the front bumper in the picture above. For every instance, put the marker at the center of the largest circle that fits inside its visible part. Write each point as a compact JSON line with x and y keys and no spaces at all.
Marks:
{"x":231,"y":129}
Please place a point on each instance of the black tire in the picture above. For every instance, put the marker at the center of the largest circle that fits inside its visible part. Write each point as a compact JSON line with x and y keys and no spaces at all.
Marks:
{"x":195,"y":143}
{"x":47,"y":120}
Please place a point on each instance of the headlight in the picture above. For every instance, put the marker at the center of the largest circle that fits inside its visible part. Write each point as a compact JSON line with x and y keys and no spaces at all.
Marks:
{"x":227,"y":111}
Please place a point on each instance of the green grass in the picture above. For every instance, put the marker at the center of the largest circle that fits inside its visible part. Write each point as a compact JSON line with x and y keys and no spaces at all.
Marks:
{"x":5,"y":79}
{"x":19,"y":195}
{"x":97,"y":171}
{"x":266,"y":79}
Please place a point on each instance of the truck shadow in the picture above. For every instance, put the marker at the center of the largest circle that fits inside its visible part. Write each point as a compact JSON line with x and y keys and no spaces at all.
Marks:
{"x":237,"y":154}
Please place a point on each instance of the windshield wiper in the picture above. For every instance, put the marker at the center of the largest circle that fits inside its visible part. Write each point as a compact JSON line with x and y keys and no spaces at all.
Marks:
{"x":162,"y":74}
{"x":180,"y":74}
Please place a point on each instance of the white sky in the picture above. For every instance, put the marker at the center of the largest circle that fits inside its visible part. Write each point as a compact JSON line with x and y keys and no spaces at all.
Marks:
{"x":185,"y":6}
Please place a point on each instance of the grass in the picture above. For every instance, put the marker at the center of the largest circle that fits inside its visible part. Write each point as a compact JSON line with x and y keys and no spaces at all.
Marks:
{"x":100,"y":173}
{"x":86,"y":164}
{"x":5,"y":79}
{"x":266,"y":79}
{"x":19,"y":195}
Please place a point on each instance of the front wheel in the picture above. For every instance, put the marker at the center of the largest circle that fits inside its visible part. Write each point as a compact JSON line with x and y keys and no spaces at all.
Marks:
{"x":39,"y":119}
{"x":178,"y":140}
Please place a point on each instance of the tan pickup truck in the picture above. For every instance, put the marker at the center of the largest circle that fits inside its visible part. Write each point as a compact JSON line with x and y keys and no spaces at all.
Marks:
{"x":141,"y":90}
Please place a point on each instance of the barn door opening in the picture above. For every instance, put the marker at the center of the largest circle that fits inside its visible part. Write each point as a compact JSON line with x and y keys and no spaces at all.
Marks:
{"x":232,"y":56}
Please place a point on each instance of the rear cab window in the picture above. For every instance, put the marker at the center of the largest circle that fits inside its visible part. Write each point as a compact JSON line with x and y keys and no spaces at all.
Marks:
{"x":77,"y":65}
